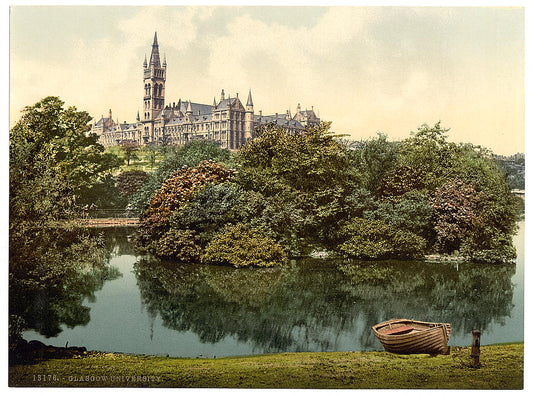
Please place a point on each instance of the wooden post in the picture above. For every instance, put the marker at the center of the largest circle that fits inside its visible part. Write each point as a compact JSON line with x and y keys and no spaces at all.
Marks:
{"x":476,"y":351}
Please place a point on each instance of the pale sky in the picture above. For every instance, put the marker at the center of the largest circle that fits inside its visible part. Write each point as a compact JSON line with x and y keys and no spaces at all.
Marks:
{"x":368,"y":70}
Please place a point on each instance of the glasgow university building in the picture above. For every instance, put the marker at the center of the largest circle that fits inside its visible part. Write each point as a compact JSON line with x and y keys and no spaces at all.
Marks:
{"x":227,"y":121}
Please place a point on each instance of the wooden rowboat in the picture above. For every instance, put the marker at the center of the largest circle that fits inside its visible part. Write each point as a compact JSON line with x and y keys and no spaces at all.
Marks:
{"x":403,"y":336}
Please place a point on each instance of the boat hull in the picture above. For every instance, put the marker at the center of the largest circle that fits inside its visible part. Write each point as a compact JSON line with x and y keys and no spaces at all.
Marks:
{"x":403,"y":336}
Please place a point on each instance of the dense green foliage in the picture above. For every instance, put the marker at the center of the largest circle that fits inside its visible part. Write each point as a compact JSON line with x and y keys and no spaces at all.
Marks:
{"x":374,"y":239}
{"x":211,"y":208}
{"x":54,"y":162}
{"x":306,"y":182}
{"x":240,"y":246}
{"x":453,"y":195}
{"x":311,"y":192}
{"x":306,"y":193}
{"x":177,"y":190}
{"x":129,"y":182}
{"x":177,"y":244}
{"x":190,"y":155}
{"x":156,"y":233}
{"x":55,"y":167}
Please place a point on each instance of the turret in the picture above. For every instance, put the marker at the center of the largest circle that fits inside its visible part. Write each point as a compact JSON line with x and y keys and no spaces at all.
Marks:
{"x":249,"y":102}
{"x":249,"y":118}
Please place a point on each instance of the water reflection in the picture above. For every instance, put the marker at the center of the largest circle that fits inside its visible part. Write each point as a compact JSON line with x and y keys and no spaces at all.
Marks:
{"x":308,"y":305}
{"x":52,"y":276}
{"x":313,"y":305}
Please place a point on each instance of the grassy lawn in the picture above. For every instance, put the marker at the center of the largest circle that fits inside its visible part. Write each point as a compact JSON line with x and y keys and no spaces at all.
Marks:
{"x":143,"y":160}
{"x":502,"y":368}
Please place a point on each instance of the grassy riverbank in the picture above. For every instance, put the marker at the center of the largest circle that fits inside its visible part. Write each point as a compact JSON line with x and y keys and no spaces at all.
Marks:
{"x":502,"y":368}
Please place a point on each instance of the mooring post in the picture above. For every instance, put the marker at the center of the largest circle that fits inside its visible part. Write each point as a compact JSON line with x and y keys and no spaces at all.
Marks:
{"x":476,"y":348}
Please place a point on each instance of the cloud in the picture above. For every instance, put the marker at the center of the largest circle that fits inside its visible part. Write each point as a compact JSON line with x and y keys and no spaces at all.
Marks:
{"x":179,"y":23}
{"x":286,"y":64}
{"x":366,"y":69}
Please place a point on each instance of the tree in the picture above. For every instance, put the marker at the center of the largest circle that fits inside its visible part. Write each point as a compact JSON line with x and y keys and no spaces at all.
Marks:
{"x":412,"y":211}
{"x":175,"y":193}
{"x":429,"y":152}
{"x":468,"y":192}
{"x":455,"y":208}
{"x":152,"y":153}
{"x":401,"y":180}
{"x":130,"y":150}
{"x":53,"y":160}
{"x":374,"y":160}
{"x":210,"y":209}
{"x":310,"y":172}
{"x":514,"y":169}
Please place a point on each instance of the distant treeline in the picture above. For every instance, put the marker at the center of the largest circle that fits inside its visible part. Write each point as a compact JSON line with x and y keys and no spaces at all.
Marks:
{"x":514,"y":167}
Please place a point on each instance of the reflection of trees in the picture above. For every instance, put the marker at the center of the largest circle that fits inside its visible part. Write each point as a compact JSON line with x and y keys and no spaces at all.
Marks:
{"x":311,"y":305}
{"x":469,"y":296}
{"x":52,"y":273}
{"x":116,"y":239}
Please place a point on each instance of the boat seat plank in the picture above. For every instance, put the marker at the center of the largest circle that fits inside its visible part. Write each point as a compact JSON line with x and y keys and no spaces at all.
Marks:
{"x":398,"y":330}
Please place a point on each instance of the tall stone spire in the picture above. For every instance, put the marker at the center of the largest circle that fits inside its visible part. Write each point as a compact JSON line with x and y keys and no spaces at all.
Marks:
{"x":154,"y":56}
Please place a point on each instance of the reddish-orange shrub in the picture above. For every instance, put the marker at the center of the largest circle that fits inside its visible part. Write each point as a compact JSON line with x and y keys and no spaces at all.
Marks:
{"x":176,"y":190}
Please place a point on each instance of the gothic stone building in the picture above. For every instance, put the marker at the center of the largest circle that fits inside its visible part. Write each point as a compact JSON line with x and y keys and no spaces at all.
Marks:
{"x":227,"y":121}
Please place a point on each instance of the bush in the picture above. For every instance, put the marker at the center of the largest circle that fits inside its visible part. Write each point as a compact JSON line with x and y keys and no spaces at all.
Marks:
{"x":373,"y":239}
{"x":210,"y":209}
{"x":177,"y":244}
{"x":456,"y":214}
{"x":189,"y":155}
{"x":129,"y":182}
{"x":411,"y":211}
{"x":489,"y":245}
{"x":241,"y":246}
{"x":176,"y":191}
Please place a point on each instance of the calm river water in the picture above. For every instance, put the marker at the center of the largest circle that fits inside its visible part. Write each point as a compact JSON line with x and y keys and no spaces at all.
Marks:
{"x":309,"y":305}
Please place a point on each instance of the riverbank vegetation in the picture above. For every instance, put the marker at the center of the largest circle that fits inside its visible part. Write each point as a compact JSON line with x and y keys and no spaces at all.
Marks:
{"x":313,"y":194}
{"x":501,"y":368}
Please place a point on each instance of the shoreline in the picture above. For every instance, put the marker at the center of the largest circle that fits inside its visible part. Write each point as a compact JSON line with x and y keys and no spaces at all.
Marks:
{"x":501,"y":368}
